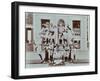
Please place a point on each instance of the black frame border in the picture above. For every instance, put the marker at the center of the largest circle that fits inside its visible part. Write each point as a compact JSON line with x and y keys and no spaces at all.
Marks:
{"x":15,"y":39}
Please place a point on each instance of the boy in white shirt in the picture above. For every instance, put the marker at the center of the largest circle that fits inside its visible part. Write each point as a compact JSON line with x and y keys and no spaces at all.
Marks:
{"x":45,"y":32}
{"x":72,"y":56}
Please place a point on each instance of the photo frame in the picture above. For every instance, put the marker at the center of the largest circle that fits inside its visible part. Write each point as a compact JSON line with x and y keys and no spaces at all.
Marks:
{"x":52,"y":40}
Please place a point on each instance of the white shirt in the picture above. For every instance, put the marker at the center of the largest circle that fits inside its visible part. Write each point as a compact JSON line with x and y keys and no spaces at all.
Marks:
{"x":61,"y":29}
{"x":70,"y":36}
{"x":65,"y":34}
{"x":44,"y":32}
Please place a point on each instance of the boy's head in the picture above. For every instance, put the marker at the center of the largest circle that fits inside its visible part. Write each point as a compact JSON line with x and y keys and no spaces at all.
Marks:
{"x":61,"y":22}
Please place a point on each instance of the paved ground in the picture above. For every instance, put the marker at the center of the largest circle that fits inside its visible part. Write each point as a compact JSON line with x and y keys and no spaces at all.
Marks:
{"x":33,"y":60}
{"x":78,"y":63}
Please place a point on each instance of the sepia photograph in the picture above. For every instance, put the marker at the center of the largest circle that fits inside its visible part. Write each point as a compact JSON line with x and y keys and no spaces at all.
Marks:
{"x":53,"y":39}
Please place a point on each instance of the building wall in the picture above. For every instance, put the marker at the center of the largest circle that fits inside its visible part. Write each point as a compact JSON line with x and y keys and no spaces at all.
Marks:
{"x":68,"y":21}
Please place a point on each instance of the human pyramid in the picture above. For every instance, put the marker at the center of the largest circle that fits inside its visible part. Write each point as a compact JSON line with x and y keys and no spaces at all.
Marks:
{"x":58,"y":43}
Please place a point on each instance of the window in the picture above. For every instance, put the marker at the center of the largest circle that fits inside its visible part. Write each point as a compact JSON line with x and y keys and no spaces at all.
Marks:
{"x":76,"y":27}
